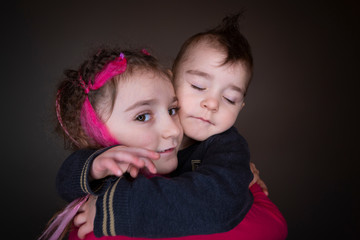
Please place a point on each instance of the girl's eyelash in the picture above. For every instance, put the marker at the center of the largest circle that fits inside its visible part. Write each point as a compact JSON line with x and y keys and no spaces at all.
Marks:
{"x":143,"y":117}
{"x":176,"y":109}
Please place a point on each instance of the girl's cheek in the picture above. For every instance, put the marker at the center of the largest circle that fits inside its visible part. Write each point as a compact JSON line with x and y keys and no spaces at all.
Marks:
{"x":146,"y":139}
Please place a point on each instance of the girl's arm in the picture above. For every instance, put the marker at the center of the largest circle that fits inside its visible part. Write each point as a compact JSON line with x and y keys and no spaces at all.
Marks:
{"x":263,"y":221}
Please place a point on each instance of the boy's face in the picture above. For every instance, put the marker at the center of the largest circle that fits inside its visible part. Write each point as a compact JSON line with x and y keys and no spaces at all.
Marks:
{"x":210,"y":95}
{"x":145,"y":115}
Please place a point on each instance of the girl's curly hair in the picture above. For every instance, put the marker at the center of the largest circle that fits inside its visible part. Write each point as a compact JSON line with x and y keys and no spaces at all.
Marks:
{"x":71,"y":95}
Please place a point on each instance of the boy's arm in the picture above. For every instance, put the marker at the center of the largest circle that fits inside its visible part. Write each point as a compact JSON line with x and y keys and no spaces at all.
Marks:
{"x":72,"y":180}
{"x":101,"y":167}
{"x":212,"y":199}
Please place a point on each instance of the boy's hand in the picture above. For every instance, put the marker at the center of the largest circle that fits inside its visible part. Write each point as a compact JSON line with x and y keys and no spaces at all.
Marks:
{"x":257,"y":179}
{"x":120,"y":159}
{"x":84,"y":220}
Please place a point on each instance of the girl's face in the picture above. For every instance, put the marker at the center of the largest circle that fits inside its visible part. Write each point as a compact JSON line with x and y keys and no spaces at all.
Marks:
{"x":145,"y":115}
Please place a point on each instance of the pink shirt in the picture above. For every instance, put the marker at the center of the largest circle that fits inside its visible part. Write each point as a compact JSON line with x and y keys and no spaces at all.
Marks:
{"x":263,"y":221}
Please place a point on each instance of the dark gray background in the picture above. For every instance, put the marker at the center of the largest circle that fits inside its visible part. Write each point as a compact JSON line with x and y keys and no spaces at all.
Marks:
{"x":299,"y":117}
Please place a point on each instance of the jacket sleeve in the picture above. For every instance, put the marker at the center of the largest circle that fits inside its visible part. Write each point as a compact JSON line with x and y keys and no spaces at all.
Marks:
{"x":72,"y":180}
{"x":212,"y":199}
{"x":264,"y":220}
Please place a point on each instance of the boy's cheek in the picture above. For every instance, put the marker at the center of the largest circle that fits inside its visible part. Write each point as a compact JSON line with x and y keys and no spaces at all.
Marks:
{"x":182,"y":118}
{"x":189,"y":102}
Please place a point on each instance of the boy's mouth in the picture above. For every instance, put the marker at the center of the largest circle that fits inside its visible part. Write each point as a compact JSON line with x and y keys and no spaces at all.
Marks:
{"x":204,"y":120}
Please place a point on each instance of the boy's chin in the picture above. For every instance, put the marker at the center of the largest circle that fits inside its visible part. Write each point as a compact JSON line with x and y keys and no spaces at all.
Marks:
{"x":199,"y":136}
{"x":203,"y":134}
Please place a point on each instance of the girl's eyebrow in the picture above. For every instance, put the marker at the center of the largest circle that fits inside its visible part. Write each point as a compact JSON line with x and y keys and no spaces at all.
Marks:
{"x":147,"y":102}
{"x":199,"y":73}
{"x":175,"y":99}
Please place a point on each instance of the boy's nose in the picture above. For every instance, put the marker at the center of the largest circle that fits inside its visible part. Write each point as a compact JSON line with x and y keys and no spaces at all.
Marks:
{"x":211,"y":104}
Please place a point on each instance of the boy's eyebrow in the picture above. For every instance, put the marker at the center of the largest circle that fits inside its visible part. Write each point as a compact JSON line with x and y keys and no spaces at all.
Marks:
{"x":236,"y":88}
{"x":208,"y":76}
{"x":199,"y":73}
{"x":141,"y":103}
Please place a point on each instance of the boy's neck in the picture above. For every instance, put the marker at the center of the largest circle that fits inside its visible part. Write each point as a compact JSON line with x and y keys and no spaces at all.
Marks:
{"x":186,"y":142}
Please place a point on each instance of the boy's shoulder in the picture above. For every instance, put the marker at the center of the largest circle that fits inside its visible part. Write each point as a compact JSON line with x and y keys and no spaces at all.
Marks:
{"x":226,"y":141}
{"x":230,"y":136}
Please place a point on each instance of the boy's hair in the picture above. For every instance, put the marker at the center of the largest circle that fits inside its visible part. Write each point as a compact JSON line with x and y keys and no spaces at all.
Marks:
{"x":226,"y":37}
{"x":71,"y":95}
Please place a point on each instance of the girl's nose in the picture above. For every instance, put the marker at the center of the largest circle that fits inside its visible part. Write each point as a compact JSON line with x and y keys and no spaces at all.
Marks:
{"x":210,"y":104}
{"x":171,"y":127}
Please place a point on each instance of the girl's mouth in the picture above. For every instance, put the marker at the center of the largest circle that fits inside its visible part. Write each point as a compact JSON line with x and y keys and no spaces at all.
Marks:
{"x":169,"y":150}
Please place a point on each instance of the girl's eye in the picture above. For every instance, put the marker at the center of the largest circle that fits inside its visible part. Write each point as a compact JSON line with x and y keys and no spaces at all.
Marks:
{"x":230,"y":101}
{"x":143,"y":117}
{"x":173,"y":111}
{"x":197,"y":88}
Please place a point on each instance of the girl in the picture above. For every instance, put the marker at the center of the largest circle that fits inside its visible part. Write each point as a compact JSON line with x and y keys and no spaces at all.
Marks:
{"x":119,"y":97}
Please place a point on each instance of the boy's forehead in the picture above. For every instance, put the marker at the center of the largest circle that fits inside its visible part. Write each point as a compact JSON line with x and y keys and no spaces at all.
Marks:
{"x":205,"y":52}
{"x":203,"y":55}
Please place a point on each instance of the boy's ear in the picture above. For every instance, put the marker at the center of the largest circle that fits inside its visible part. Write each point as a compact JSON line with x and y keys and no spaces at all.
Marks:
{"x":242,"y":106}
{"x":170,"y":72}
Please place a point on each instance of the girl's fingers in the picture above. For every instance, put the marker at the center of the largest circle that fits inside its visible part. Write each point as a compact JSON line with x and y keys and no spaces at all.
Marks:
{"x":264,"y":187}
{"x":79,"y":219}
{"x":84,"y":230}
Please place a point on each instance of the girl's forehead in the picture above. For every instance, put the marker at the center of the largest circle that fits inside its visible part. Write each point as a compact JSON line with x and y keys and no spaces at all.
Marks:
{"x":140,"y":74}
{"x":142,"y":84}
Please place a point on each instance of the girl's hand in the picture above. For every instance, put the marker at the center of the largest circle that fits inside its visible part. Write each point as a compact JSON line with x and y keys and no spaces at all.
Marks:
{"x":120,"y":159}
{"x":84,"y":219}
{"x":257,"y":179}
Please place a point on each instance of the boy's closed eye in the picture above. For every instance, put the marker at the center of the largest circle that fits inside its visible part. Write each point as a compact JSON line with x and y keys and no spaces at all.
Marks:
{"x":233,"y":97}
{"x":229,"y":101}
{"x":197,"y":87}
